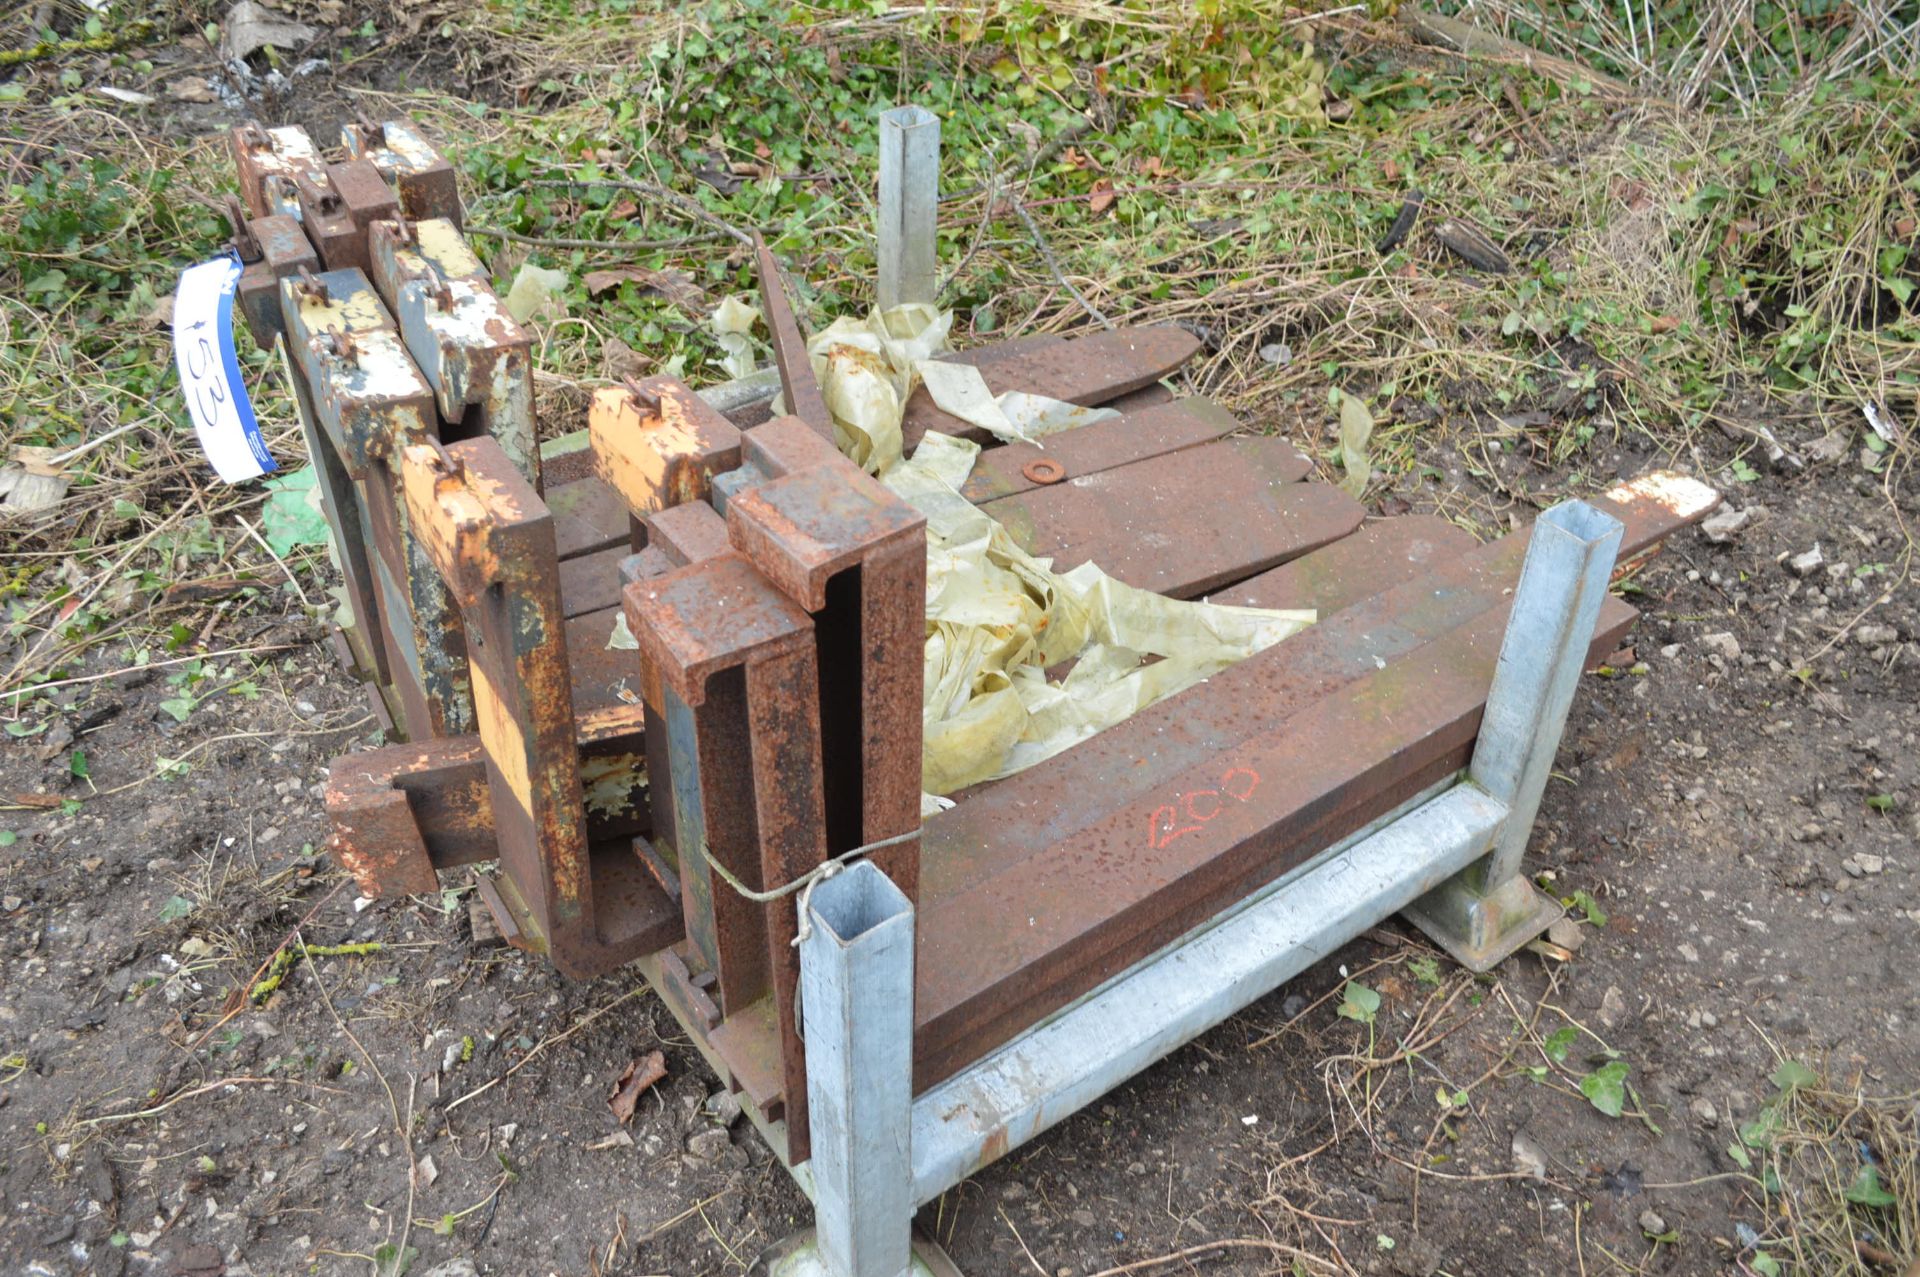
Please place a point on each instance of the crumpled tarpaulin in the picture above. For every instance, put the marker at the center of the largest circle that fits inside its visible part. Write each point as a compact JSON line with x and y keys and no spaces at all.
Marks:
{"x":999,"y":618}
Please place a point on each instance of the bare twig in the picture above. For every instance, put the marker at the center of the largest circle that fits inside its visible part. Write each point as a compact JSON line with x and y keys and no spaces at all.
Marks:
{"x":1231,"y":1243}
{"x":1040,"y":242}
{"x":601,"y":245}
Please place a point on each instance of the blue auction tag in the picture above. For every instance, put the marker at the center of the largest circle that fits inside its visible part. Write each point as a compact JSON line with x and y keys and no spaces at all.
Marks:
{"x":210,"y":372}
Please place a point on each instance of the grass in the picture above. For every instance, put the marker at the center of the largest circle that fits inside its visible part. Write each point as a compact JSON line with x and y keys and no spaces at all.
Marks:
{"x":1837,"y":1169}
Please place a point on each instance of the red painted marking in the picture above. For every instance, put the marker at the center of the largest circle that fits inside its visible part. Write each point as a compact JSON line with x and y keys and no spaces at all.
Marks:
{"x":1194,"y":812}
{"x":1199,"y":806}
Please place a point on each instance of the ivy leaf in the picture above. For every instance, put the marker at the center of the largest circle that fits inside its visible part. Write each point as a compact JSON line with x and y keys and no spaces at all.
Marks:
{"x":291,"y":516}
{"x":1360,"y":1003}
{"x":1866,"y":1189}
{"x":1606,"y":1088}
{"x":176,"y":908}
{"x":1792,"y":1075}
{"x":1588,"y":906}
{"x":77,"y":764}
{"x":1560,"y":1043}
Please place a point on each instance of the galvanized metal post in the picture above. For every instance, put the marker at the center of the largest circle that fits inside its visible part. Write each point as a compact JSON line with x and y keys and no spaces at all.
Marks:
{"x":856,"y":983}
{"x":1489,"y":910}
{"x":909,"y":198}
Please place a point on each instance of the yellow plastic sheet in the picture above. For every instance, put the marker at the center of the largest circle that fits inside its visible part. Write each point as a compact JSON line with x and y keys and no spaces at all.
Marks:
{"x":997,"y":617}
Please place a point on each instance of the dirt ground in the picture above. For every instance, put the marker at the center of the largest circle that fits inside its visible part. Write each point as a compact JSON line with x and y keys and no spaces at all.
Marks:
{"x":436,"y":1103}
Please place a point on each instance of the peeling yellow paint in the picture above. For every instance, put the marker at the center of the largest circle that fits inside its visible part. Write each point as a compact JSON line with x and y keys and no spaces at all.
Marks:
{"x":443,"y":245}
{"x":500,"y":733}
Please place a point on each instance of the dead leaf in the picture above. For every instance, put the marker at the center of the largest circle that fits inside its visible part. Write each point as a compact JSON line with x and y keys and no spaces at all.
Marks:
{"x":191,"y":88}
{"x":622,"y":361}
{"x":622,"y":208}
{"x":719,"y":178}
{"x":1664,"y":323}
{"x":640,"y":1075}
{"x":1356,"y":427}
{"x":1153,"y":166}
{"x":425,"y":1172}
{"x":1101,"y":197}
{"x":676,"y":286}
{"x":251,"y":27}
{"x":42,"y":801}
{"x":619,"y":1139}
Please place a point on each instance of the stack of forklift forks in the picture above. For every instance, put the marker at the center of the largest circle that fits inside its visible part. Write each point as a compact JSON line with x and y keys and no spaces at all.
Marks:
{"x":775,"y":594}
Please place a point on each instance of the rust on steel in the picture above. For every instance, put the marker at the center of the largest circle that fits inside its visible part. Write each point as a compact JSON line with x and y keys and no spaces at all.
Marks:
{"x":421,"y":177}
{"x":1372,"y":560}
{"x":347,"y":523}
{"x":491,"y":538}
{"x":364,"y":193}
{"x":1121,"y":843}
{"x":1043,"y":470}
{"x":370,"y":401}
{"x":703,"y":779}
{"x":723,"y":638}
{"x":260,"y":154}
{"x":799,"y":388}
{"x":378,"y":835}
{"x":1085,"y":370}
{"x":283,"y":252}
{"x":441,"y":786}
{"x":1158,"y":525}
{"x":588,"y":516}
{"x":837,"y":542}
{"x":478,"y":360}
{"x":1102,"y":445}
{"x":677,"y":736}
{"x":657,"y":444}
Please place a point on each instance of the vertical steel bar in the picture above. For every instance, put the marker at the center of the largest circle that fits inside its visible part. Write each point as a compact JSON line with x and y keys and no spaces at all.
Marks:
{"x":480,"y":524}
{"x":909,"y":198}
{"x":1489,"y":910}
{"x":347,"y":522}
{"x":856,"y":972}
{"x":1562,"y":585}
{"x":783,"y":724}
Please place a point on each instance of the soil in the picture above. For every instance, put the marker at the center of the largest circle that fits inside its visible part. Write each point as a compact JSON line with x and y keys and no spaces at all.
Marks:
{"x":1714,"y":806}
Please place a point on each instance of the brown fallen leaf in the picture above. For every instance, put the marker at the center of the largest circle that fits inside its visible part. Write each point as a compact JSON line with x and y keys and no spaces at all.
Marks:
{"x":619,"y":1139}
{"x":676,"y":286}
{"x":1101,"y":197}
{"x":191,"y":88}
{"x":1472,"y":245}
{"x":37,"y":800}
{"x":621,"y":361}
{"x":641,"y":1074}
{"x":1664,"y":323}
